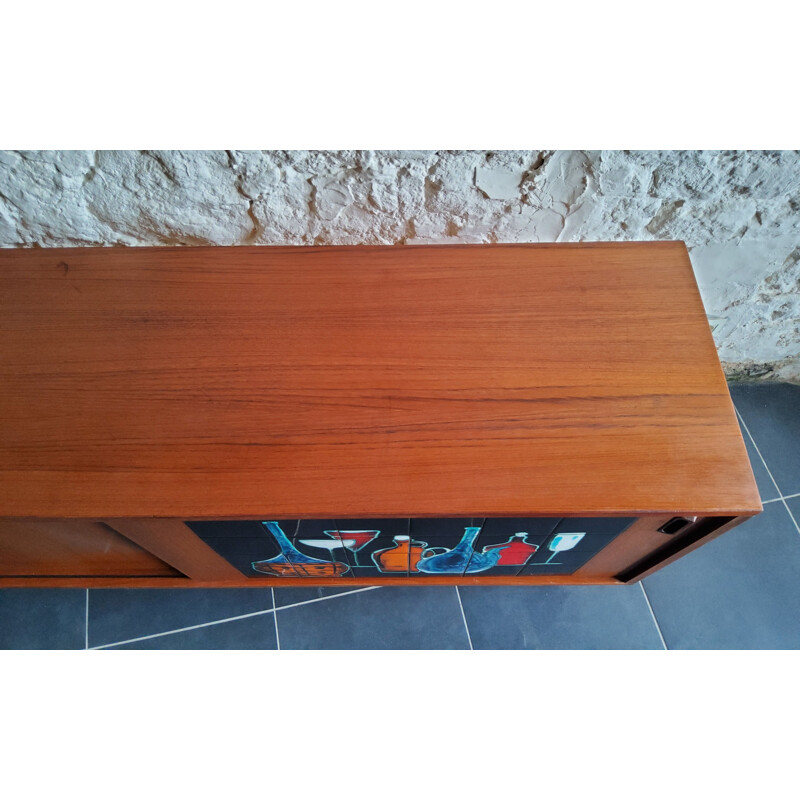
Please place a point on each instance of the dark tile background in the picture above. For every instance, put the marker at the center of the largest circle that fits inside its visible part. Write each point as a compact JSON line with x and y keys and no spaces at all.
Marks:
{"x":559,"y":618}
{"x":119,"y":614}
{"x":42,"y":619}
{"x":390,"y":618}
{"x":772,"y":414}
{"x":741,"y":591}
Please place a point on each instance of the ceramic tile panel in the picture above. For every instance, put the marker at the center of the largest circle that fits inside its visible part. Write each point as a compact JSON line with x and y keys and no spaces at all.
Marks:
{"x":445,"y":546}
{"x":279,"y":548}
{"x":573,"y":543}
{"x":376,"y":547}
{"x":510,"y":543}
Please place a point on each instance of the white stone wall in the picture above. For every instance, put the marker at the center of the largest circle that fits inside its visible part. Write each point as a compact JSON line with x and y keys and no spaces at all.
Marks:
{"x":739,"y":212}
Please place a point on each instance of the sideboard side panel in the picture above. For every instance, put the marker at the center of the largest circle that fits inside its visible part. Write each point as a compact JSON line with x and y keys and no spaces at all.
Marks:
{"x":44,"y":548}
{"x":175,"y":543}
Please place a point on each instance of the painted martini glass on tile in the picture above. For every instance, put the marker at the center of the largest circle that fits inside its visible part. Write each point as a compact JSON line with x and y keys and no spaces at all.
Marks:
{"x":353,"y":540}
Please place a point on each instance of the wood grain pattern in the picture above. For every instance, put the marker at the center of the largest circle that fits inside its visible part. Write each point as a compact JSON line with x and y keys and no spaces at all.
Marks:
{"x":69,"y":547}
{"x":512,"y":380}
{"x":171,"y":541}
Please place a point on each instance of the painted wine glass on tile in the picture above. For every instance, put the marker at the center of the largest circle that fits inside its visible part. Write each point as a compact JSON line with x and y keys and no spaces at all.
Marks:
{"x":354,"y":540}
{"x":561,"y":542}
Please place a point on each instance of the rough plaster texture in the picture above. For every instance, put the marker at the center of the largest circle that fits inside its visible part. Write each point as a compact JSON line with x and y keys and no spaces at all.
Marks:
{"x":737,"y":211}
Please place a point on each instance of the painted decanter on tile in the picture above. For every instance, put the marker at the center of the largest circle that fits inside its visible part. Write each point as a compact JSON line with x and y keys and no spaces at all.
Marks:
{"x":515,"y":552}
{"x":292,"y":563}
{"x":461,"y":559}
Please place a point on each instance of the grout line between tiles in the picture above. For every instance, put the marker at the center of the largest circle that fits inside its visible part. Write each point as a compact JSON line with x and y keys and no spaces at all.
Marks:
{"x":231,"y":619}
{"x":747,"y":430}
{"x":789,"y":510}
{"x":781,"y":497}
{"x":464,"y":617}
{"x":275,"y":617}
{"x":653,"y":615}
{"x":86,"y":627}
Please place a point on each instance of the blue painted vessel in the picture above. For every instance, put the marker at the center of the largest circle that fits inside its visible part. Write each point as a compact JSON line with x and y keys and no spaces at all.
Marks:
{"x":462,"y":559}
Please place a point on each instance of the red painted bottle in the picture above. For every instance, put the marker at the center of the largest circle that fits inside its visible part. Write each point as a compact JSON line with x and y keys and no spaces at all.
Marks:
{"x":515,"y":552}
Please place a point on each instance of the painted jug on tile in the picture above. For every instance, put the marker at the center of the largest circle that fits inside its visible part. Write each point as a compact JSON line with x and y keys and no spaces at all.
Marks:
{"x":292,"y":563}
{"x":461,"y":559}
{"x":515,"y":552}
{"x":404,"y":555}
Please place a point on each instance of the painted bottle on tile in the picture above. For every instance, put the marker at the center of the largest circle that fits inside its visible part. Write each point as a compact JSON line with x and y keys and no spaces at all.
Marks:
{"x":404,"y":555}
{"x":515,"y":552}
{"x":292,"y":563}
{"x":461,"y":559}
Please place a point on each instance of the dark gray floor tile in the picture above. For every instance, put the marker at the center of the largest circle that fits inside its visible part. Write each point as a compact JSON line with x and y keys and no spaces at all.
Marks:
{"x":389,"y":618}
{"x":252,"y":633}
{"x":772,"y":413}
{"x":119,"y":614}
{"x":766,"y":488}
{"x":741,"y":591}
{"x":42,"y":619}
{"x":301,"y":594}
{"x":559,"y":618}
{"x":794,"y":506}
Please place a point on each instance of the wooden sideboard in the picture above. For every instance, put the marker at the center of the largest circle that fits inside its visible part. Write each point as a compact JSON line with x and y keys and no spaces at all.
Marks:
{"x":246,"y":416}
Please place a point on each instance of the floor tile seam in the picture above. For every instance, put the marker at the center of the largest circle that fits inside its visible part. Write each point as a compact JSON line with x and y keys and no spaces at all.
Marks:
{"x":229,"y":619}
{"x":464,"y":618}
{"x":778,"y":499}
{"x":653,"y":615}
{"x":275,"y":618}
{"x":791,"y":515}
{"x":183,"y":630}
{"x":758,"y":451}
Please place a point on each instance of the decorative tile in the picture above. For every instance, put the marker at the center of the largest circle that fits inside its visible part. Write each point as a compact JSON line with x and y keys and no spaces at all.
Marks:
{"x":119,"y":614}
{"x":389,"y":618}
{"x":42,"y":619}
{"x":559,"y":618}
{"x":280,"y":548}
{"x":513,"y":542}
{"x":575,"y":541}
{"x":252,"y":633}
{"x":376,"y":546}
{"x":772,"y":414}
{"x":740,"y":591}
{"x":446,"y":546}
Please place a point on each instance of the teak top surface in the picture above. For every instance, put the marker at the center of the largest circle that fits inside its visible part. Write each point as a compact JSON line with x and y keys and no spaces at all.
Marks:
{"x":362,"y":381}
